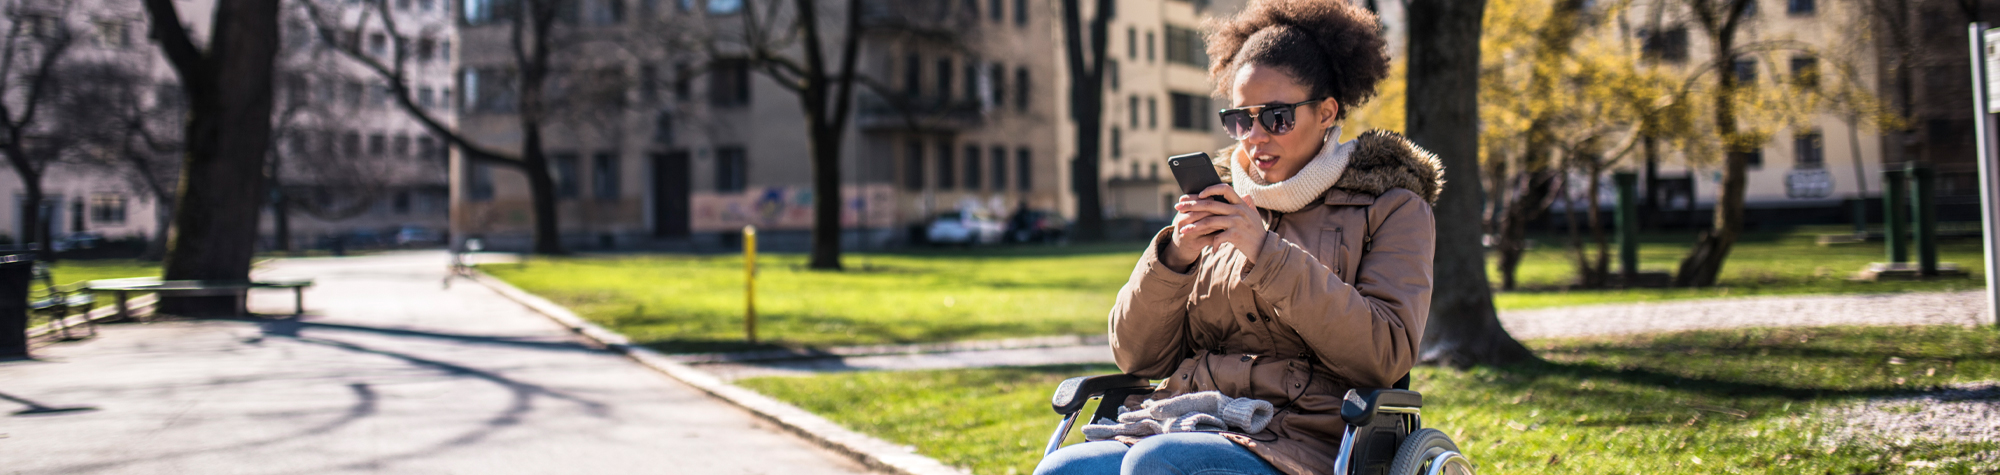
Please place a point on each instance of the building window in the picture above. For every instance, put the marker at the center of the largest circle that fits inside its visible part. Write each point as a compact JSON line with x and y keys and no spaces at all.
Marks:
{"x":913,"y":166}
{"x":427,"y":148}
{"x":351,"y":144}
{"x":1149,"y":47}
{"x":1117,"y":144}
{"x":729,"y":83}
{"x":1131,"y":43}
{"x":1746,"y":72}
{"x":997,"y":10}
{"x":479,"y":182}
{"x":1132,"y":110}
{"x":663,"y":128}
{"x":1021,"y":89}
{"x":970,"y":8}
{"x":424,"y":97}
{"x":1111,"y":69}
{"x":1190,"y":111}
{"x":604,"y":176}
{"x":683,"y":88}
{"x":378,"y":145}
{"x":1808,"y":151}
{"x":684,"y":5}
{"x":401,"y":146}
{"x":944,"y":83}
{"x":912,"y":75}
{"x":1801,"y":7}
{"x":401,"y":203}
{"x":972,"y":167}
{"x":1670,"y":45}
{"x":487,"y":90}
{"x":999,"y":170}
{"x":999,"y":85}
{"x":947,"y":167}
{"x":973,"y":170}
{"x":378,"y":45}
{"x":649,"y":84}
{"x":1754,"y":158}
{"x":971,"y":81}
{"x":107,"y":208}
{"x":1805,"y":72}
{"x":1021,"y":12}
{"x":724,"y":7}
{"x":732,"y":169}
{"x":1184,"y":46}
{"x":1023,"y":180}
{"x":563,"y":166}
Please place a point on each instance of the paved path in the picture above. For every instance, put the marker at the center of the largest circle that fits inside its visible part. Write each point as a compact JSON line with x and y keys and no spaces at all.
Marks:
{"x":1917,"y":308}
{"x":390,"y":374}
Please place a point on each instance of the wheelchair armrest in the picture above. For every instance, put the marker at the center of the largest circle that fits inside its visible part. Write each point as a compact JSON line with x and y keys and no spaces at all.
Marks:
{"x":1075,"y":392}
{"x":1360,"y":405}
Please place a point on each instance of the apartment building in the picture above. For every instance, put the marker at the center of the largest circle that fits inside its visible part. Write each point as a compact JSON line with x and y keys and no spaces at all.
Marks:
{"x":956,"y":110}
{"x":1159,"y":103}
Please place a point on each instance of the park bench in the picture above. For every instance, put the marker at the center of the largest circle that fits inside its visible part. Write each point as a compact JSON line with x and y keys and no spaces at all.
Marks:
{"x":122,"y":290}
{"x":58,"y":302}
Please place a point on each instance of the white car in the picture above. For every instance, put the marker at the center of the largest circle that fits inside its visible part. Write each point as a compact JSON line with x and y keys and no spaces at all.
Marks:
{"x":964,"y":228}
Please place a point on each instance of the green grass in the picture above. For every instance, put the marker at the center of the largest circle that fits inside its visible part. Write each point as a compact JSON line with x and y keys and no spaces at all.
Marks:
{"x":695,"y":303}
{"x":1741,"y":401}
{"x":681,"y":303}
{"x":1761,"y":263}
{"x":71,"y":271}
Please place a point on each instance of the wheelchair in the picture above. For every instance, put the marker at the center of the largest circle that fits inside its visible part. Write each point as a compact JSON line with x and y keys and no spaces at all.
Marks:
{"x":1384,"y":435}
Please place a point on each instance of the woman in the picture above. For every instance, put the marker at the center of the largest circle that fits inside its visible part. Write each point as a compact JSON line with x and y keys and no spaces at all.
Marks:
{"x":1313,"y":278}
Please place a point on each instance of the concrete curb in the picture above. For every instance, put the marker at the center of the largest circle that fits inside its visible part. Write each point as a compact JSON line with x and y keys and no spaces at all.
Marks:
{"x":886,"y":350}
{"x":875,"y":453}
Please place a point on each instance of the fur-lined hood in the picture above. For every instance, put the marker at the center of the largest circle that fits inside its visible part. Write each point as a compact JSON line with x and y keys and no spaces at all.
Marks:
{"x":1381,"y":160}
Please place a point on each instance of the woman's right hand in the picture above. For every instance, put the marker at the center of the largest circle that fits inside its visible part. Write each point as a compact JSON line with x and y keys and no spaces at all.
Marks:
{"x":1182,"y":252}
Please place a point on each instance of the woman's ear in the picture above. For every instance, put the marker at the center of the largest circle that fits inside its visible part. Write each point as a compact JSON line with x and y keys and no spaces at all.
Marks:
{"x":1330,"y":109}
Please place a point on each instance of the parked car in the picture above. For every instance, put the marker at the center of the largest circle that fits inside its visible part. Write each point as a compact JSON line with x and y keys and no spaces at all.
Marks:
{"x":77,"y":240}
{"x":958,"y":227}
{"x":1036,"y":226}
{"x":417,"y":236}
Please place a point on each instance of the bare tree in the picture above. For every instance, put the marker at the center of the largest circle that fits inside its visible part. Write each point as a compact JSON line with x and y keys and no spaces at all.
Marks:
{"x":1084,"y":50}
{"x":531,"y":40}
{"x":228,"y":88}
{"x":814,"y":59}
{"x":1720,"y":20}
{"x":1444,"y":53}
{"x":37,"y":42}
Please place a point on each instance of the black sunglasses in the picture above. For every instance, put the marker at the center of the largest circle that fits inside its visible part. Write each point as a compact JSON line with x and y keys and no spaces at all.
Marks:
{"x":1278,"y":119}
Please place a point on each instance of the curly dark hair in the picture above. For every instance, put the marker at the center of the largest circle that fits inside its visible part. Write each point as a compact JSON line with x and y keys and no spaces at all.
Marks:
{"x":1333,"y":47}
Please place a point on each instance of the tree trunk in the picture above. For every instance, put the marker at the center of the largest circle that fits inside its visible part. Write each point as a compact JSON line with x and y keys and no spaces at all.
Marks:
{"x":1463,"y":328}
{"x":1703,"y":264}
{"x":1086,"y":102}
{"x":163,"y":222}
{"x":1535,"y":185}
{"x":228,"y":131}
{"x":32,"y":229}
{"x":281,"y":225}
{"x":531,"y":56}
{"x":826,"y":197}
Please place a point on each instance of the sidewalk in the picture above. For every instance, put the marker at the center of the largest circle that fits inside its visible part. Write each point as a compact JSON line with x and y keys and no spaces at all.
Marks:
{"x":390,"y":373}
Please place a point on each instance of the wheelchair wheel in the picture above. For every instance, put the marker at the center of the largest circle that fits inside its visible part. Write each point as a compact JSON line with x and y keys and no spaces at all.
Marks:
{"x":1429,"y":452}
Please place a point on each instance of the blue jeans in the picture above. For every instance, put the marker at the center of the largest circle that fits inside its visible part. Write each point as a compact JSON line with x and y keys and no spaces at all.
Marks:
{"x":1182,"y":453}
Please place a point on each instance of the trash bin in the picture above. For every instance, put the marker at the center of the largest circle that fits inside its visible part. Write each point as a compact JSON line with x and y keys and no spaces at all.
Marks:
{"x":15,"y":272}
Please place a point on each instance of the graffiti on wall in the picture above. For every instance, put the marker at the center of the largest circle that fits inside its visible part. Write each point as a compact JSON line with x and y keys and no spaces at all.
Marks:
{"x":790,"y":208}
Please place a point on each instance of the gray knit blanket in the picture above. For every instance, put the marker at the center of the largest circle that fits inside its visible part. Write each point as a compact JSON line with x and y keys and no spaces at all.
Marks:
{"x":1206,"y":411}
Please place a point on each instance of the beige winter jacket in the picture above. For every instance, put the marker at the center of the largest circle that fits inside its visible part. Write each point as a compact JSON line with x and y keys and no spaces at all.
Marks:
{"x":1337,"y":300}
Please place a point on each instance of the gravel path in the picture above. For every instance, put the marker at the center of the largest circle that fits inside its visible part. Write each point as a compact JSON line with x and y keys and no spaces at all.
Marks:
{"x":1914,"y":308}
{"x":1964,"y":412}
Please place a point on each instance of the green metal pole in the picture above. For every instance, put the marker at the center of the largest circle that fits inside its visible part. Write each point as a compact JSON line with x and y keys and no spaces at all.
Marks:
{"x":1894,"y":224}
{"x":1627,"y":221}
{"x":1924,"y":213}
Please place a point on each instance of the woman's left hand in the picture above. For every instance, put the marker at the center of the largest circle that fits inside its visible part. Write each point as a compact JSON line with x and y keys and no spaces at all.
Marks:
{"x":1236,"y":222}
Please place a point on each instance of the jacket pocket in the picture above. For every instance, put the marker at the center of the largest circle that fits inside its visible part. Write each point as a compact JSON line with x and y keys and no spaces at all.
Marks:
{"x":1333,"y":250}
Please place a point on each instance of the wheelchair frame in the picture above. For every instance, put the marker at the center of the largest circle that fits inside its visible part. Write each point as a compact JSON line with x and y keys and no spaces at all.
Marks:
{"x":1364,"y":434}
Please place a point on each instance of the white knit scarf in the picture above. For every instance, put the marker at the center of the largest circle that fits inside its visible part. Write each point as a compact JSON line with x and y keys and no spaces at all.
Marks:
{"x":1300,"y":190}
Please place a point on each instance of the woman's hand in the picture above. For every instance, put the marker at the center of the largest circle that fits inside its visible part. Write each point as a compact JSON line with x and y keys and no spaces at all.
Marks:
{"x":1200,"y":223}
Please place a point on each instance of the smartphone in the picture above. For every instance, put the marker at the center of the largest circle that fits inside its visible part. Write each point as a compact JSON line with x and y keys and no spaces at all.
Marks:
{"x":1195,"y":173}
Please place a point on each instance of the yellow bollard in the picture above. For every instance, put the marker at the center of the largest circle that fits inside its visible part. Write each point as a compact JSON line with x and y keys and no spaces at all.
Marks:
{"x":750,"y":282}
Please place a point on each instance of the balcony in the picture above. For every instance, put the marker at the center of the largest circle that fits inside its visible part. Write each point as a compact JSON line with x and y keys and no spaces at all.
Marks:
{"x":917,"y":113}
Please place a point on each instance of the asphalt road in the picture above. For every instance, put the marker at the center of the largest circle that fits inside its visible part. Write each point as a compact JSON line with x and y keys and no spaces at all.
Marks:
{"x":388,"y":373}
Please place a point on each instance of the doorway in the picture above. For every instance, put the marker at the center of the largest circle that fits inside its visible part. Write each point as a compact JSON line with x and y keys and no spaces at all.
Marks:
{"x":671,"y":189}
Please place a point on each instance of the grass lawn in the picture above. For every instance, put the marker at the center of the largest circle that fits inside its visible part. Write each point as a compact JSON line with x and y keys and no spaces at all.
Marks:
{"x":681,"y":303}
{"x":1767,"y":263}
{"x":1735,"y":401}
{"x":74,"y":270}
